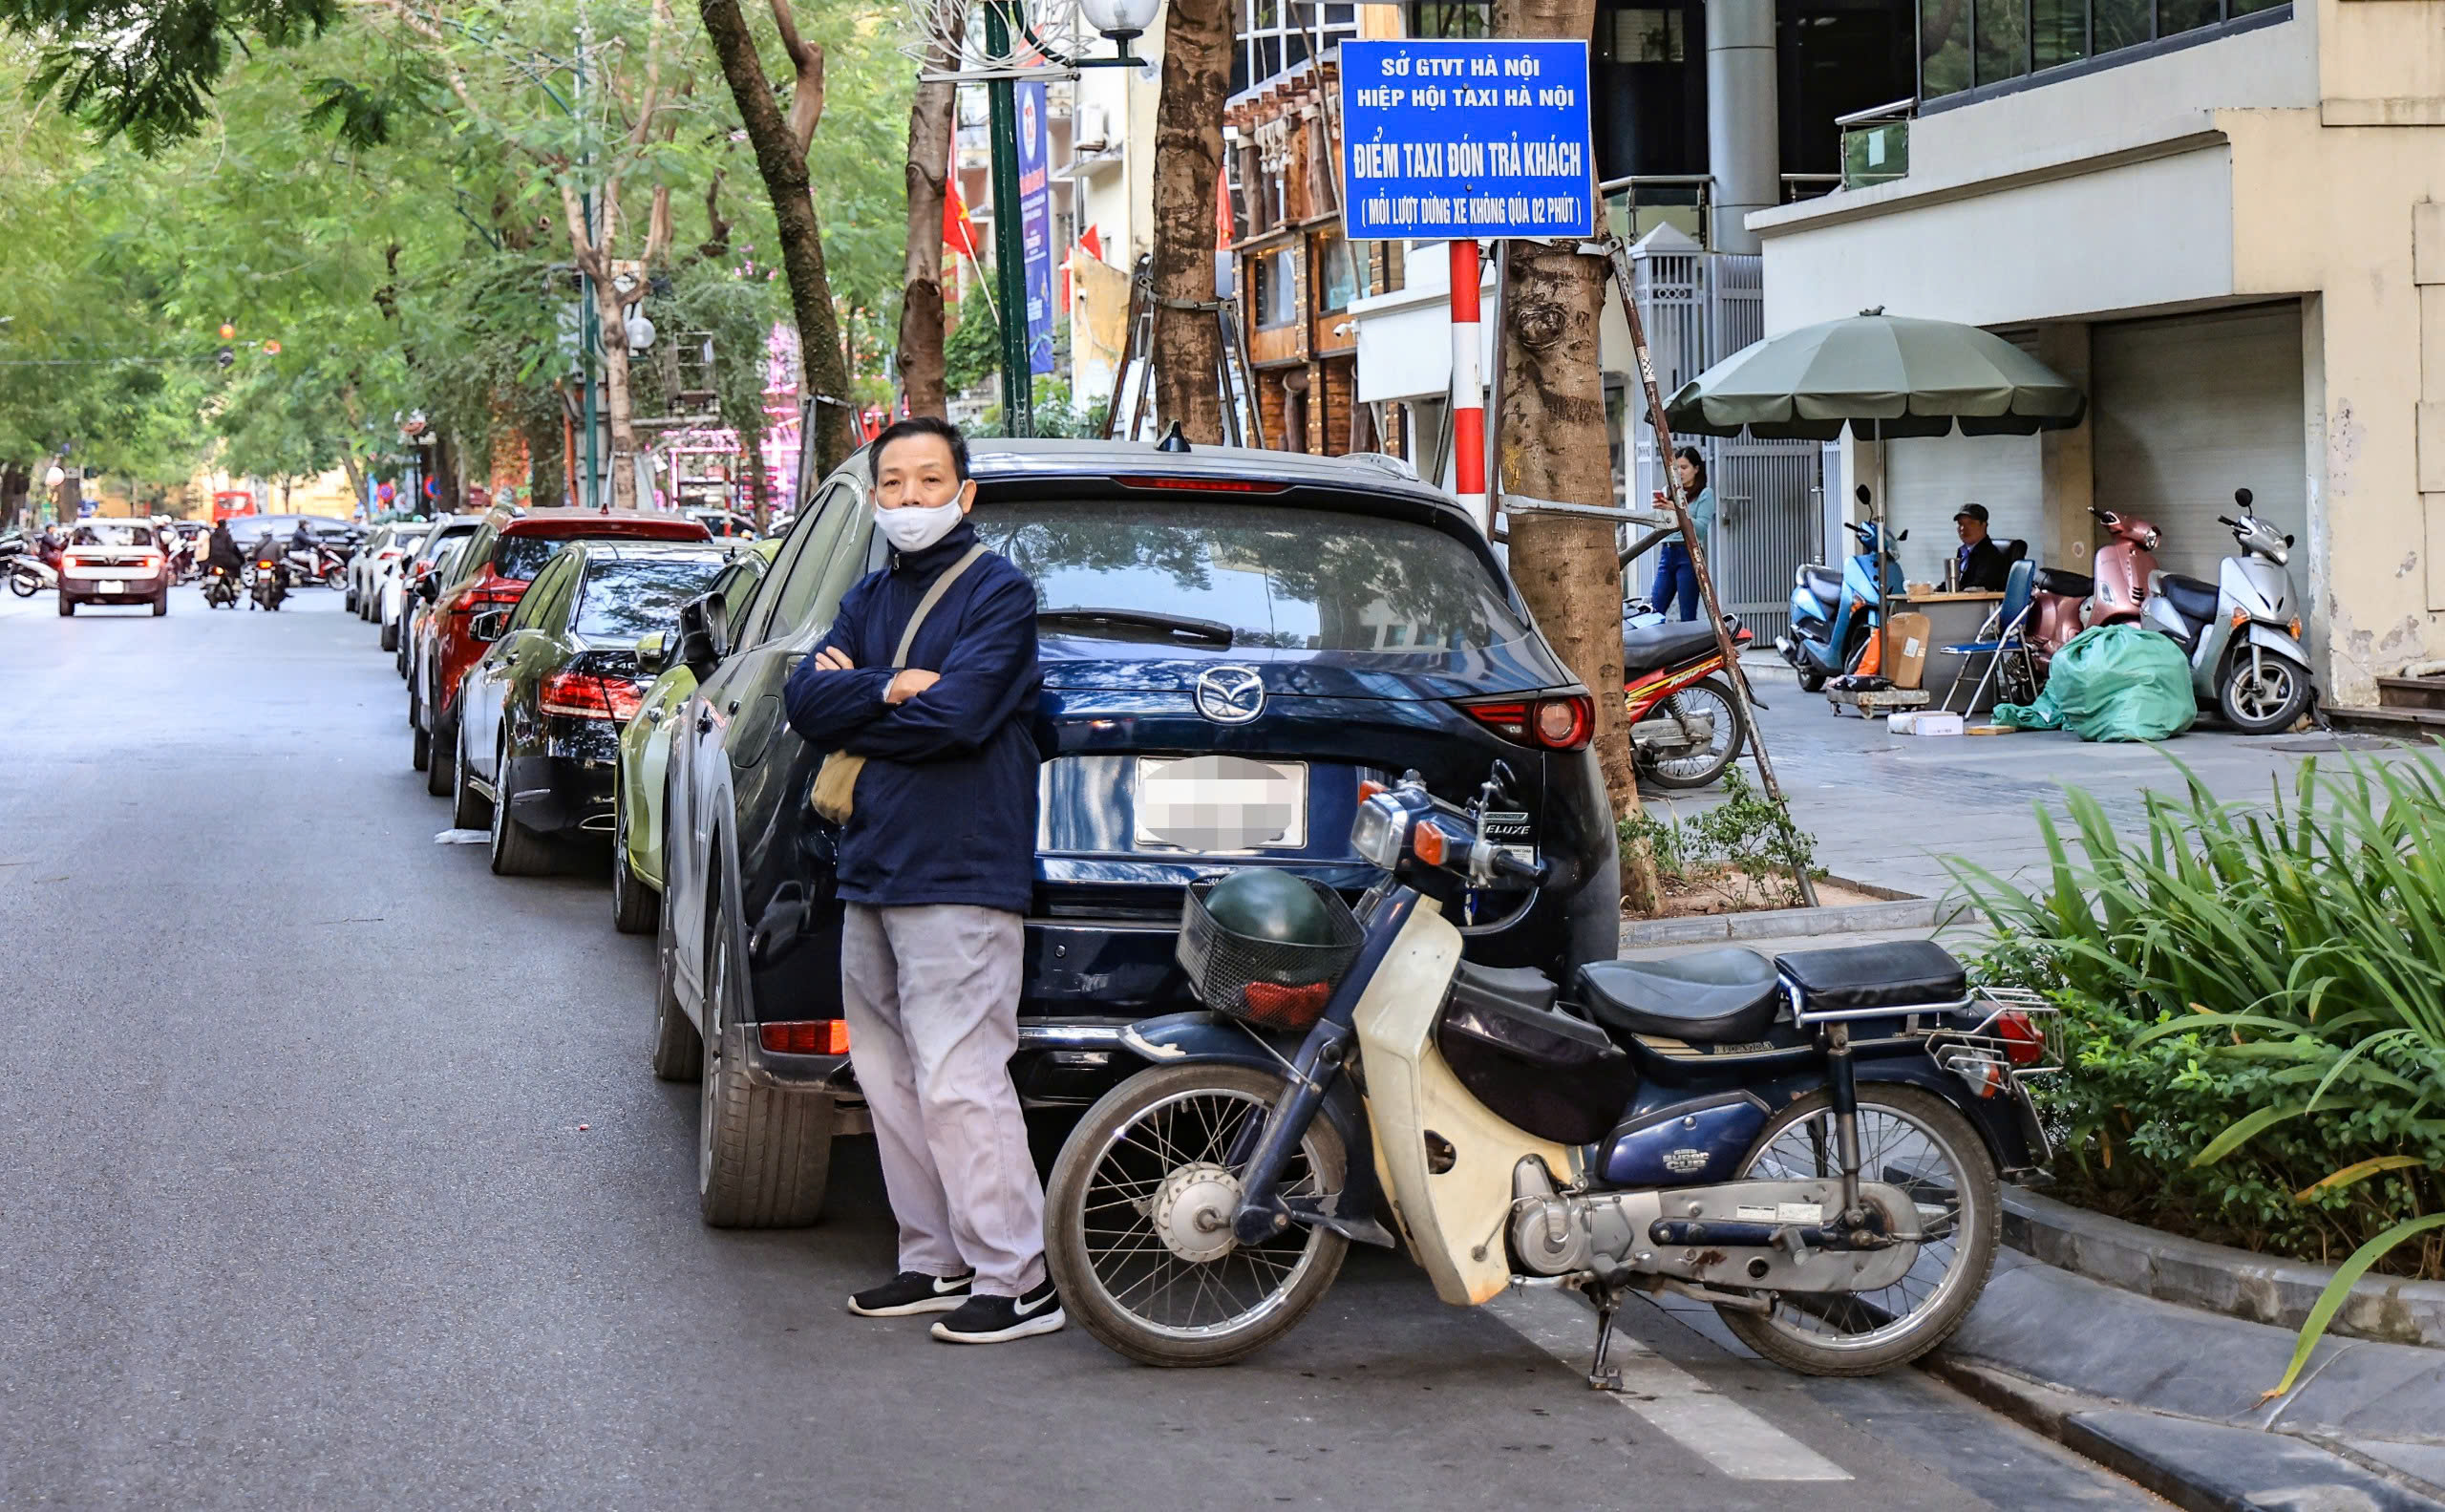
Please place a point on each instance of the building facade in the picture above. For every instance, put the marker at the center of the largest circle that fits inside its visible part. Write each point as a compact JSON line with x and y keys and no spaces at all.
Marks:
{"x":2226,"y":222}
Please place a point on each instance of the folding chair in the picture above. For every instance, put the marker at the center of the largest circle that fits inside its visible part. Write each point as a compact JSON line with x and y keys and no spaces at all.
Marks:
{"x":2004,"y":634}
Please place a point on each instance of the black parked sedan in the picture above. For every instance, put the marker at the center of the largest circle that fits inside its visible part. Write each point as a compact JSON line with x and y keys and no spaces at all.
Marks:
{"x":1233,"y":642}
{"x":539,"y":738}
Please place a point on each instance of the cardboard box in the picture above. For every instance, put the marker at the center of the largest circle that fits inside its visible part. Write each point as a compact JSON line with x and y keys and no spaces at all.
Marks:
{"x":1935,"y":722}
{"x":1907,"y":647}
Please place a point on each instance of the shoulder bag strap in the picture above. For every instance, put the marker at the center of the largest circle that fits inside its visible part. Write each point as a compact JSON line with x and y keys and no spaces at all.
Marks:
{"x":933,"y":596}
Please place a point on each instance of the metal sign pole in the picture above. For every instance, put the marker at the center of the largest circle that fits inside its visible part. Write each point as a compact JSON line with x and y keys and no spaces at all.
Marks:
{"x":1618,"y":256}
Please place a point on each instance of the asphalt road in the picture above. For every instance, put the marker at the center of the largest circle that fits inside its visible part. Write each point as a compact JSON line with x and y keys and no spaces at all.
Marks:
{"x":332,"y":1175}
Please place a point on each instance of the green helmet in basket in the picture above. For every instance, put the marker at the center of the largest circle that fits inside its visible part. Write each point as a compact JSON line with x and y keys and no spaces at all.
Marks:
{"x":1263,"y":903}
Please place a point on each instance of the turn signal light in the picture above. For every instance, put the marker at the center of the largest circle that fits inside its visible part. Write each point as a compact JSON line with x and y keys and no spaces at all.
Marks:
{"x":810,"y":1036}
{"x":1369,"y":789}
{"x":1428,"y":840}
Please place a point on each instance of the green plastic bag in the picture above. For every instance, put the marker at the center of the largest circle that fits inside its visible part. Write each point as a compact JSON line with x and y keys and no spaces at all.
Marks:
{"x":2115,"y":682}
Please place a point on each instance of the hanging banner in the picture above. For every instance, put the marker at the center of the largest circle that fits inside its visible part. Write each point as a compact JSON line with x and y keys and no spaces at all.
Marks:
{"x":1035,"y":224}
{"x":1466,"y":140}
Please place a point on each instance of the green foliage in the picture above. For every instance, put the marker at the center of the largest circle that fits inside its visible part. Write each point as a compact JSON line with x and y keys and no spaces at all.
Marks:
{"x":147,"y":71}
{"x":972,"y":351}
{"x":2255,"y":1001}
{"x":1748,"y":842}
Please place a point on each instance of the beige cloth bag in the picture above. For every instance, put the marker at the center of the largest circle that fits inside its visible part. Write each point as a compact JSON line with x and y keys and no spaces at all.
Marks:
{"x":835,"y":781}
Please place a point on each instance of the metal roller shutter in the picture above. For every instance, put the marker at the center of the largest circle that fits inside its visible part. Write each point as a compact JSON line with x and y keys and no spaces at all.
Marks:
{"x":2190,"y":408}
{"x":1932,"y":478}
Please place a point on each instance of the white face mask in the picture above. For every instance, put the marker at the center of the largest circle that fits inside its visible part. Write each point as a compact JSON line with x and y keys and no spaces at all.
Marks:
{"x":913,"y":527}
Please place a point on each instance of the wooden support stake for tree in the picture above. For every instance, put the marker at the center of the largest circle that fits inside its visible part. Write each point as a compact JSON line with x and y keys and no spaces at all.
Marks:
{"x":1618,"y":256}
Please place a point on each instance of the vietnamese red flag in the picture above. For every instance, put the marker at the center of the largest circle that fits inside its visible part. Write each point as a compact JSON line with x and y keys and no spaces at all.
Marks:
{"x":1222,"y":213}
{"x":959,"y":232}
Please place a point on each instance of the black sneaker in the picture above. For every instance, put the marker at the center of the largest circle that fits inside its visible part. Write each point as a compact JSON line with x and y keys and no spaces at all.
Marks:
{"x":911,"y":1292}
{"x":997,"y":1320}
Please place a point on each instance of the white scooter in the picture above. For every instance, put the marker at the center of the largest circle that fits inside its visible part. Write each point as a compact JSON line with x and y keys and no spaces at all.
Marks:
{"x":1809,"y":1144}
{"x":2241,"y":631}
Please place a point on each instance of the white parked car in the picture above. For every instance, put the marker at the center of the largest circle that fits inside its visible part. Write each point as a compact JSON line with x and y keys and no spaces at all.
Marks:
{"x":380,"y":554}
{"x":394,"y":603}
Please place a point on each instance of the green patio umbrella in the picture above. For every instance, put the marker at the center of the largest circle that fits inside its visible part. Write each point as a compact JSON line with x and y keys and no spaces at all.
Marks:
{"x":1887,"y":376}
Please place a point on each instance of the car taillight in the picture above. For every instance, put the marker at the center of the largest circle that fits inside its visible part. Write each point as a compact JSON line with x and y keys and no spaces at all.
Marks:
{"x":152,"y":562}
{"x":810,"y":1036}
{"x":585,"y":695}
{"x":1203,"y":485}
{"x":84,"y":562}
{"x":2023,"y":1043}
{"x":494,"y":593}
{"x":1558,"y":724}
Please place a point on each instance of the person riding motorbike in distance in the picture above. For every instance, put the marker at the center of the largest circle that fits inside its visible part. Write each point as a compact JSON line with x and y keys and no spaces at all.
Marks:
{"x":222,"y":551}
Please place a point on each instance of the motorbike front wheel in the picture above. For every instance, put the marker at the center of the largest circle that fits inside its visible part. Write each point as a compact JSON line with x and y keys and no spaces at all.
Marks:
{"x":24,"y":584}
{"x":1908,"y":1139}
{"x":1138,"y":1220}
{"x":2263,"y":695}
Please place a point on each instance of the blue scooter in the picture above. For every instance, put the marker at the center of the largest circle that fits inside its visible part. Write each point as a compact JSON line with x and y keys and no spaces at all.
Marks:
{"x":1833,"y":612}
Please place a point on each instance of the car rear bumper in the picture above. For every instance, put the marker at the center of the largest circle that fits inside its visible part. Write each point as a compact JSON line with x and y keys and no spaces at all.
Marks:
{"x":567,"y":788}
{"x":122,"y":590}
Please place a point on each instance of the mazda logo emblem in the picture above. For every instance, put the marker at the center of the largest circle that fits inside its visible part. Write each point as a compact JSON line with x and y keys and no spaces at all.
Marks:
{"x":1230,"y":695}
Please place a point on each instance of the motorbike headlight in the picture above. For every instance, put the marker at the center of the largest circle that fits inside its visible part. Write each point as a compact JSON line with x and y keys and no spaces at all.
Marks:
{"x":1380,"y":831}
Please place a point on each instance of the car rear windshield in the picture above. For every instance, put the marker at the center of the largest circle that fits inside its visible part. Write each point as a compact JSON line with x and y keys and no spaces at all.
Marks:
{"x":1292,"y":578}
{"x":624,"y":600}
{"x":112,"y":535}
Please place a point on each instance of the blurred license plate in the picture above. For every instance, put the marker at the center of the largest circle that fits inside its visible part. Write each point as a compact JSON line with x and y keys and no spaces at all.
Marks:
{"x":111,"y":586}
{"x":1216,"y":804}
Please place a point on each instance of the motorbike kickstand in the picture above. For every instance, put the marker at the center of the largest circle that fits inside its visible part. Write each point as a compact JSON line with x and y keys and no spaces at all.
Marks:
{"x":1603,"y":1375}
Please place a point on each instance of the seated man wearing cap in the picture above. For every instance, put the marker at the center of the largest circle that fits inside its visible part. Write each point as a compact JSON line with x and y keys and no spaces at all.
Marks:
{"x":1981,"y":563}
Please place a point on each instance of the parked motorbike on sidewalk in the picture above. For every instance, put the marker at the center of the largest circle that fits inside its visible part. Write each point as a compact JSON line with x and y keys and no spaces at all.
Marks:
{"x":1686,"y":725}
{"x":1833,"y":613}
{"x":2241,"y":632}
{"x":1810,"y":1145}
{"x":2122,"y":570}
{"x":30,"y":574}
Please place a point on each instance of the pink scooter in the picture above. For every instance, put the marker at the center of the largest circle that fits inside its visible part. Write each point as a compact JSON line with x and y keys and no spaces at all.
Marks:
{"x":2064,"y":604}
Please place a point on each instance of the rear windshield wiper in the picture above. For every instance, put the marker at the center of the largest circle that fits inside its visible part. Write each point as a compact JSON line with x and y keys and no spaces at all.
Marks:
{"x":1182,"y":624}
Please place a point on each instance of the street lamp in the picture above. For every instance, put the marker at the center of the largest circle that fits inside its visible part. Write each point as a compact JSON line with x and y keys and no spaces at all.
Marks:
{"x":1121,"y":21}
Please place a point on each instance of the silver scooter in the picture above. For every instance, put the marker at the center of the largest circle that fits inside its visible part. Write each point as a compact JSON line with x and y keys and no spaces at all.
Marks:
{"x":2241,"y":631}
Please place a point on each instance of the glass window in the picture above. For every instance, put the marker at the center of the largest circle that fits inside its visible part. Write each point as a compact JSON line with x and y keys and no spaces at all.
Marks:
{"x":1277,"y":289}
{"x":2058,"y":33}
{"x":1943,"y":48}
{"x":478,"y":548}
{"x":110,"y":533}
{"x":620,"y":601}
{"x":1451,"y":20}
{"x":1640,"y":36}
{"x":736,"y":586}
{"x":538,"y":609}
{"x":1311,"y":579}
{"x":2186,"y":16}
{"x":2119,"y":23}
{"x":793,"y":594}
{"x":1337,"y":280}
{"x":2003,"y":39}
{"x":524,"y":556}
{"x":1274,"y":35}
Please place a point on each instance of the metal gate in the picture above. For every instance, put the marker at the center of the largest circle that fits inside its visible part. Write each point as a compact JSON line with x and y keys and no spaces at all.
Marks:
{"x":1698,"y":308}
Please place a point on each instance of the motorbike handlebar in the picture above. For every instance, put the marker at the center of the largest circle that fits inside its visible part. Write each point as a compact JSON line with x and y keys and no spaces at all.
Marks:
{"x":1533,"y":872}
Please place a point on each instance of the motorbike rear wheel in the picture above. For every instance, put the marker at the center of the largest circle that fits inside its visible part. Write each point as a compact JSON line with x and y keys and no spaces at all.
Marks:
{"x":1913,"y":1139}
{"x":1138,"y":1220}
{"x":23,"y":583}
{"x":1711,"y":697}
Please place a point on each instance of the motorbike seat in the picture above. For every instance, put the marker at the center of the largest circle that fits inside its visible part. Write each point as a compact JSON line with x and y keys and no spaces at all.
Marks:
{"x":2192,"y":600}
{"x":1660,"y":646}
{"x":1898,"y":973}
{"x":1825,"y":582}
{"x":2070,"y":584}
{"x":1718,"y":996}
{"x":1515,"y":987}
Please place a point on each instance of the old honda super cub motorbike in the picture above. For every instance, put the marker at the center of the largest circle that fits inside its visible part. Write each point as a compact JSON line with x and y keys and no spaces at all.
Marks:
{"x":1809,"y":1144}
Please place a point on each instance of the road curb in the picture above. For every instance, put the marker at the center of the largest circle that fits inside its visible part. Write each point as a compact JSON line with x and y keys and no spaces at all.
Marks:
{"x":1897,"y":912}
{"x":2214,"y":1278}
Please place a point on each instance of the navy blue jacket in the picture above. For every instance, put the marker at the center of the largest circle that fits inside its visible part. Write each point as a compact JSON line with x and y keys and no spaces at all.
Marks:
{"x":945,"y":811}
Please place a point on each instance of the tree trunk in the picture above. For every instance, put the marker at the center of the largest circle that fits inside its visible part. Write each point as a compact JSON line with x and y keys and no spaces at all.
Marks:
{"x":1554,"y":447}
{"x":1189,"y":158}
{"x":355,"y":476}
{"x":921,"y":296}
{"x":758,"y":487}
{"x":619,"y":421}
{"x":548,"y":481}
{"x":781,"y":160}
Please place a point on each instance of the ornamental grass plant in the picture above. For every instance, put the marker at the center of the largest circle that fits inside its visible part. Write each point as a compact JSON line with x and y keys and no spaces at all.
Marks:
{"x":2254,"y":1000}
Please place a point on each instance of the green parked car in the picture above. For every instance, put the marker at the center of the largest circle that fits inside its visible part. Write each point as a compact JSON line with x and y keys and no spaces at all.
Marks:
{"x":644,"y":751}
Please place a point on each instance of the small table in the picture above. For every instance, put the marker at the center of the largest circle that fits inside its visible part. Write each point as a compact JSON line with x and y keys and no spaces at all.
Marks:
{"x":1953,"y":620}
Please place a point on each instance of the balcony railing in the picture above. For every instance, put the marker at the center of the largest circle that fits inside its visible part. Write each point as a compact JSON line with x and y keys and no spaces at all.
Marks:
{"x":1641,"y":203}
{"x":1876,"y":143}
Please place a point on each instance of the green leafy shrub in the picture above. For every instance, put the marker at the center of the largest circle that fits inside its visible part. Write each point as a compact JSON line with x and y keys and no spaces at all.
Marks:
{"x":1746,"y":845}
{"x":2255,"y":1006}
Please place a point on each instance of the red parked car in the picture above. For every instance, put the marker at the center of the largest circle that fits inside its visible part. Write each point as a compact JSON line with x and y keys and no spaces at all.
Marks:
{"x":490,"y":572}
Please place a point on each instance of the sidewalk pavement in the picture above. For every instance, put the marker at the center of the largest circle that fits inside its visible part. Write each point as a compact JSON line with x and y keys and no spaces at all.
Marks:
{"x":1887,"y":809}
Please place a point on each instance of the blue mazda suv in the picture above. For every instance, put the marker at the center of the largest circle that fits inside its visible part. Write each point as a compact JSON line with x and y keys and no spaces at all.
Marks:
{"x":1233,"y":641}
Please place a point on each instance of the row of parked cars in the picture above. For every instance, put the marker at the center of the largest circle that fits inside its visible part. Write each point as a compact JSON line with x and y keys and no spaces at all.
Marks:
{"x":1273,"y":629}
